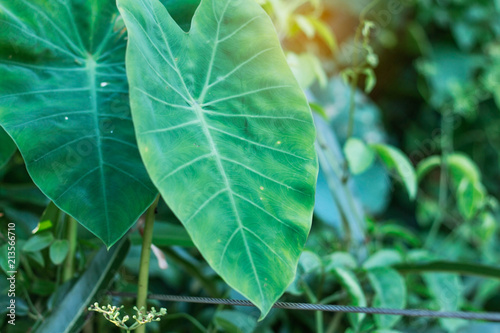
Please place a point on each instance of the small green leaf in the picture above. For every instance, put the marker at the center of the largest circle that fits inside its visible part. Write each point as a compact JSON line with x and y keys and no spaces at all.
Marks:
{"x":325,"y":32}
{"x":383,"y":258}
{"x":305,"y":25}
{"x":235,"y":321}
{"x":319,"y":110}
{"x":367,"y":27}
{"x":307,"y":69}
{"x":339,"y":259}
{"x":42,"y":226}
{"x":470,"y":198}
{"x":398,"y":232}
{"x":309,"y":262}
{"x":359,"y":155}
{"x":390,"y":292}
{"x":396,"y":160}
{"x":58,"y":251}
{"x":38,"y":242}
{"x":426,"y":165}
{"x":447,"y":291}
{"x":462,"y":166}
{"x":349,"y":281}
{"x":370,"y":78}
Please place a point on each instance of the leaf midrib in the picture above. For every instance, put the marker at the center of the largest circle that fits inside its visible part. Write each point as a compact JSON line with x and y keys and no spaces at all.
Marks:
{"x":220,"y":167}
{"x":91,"y":69}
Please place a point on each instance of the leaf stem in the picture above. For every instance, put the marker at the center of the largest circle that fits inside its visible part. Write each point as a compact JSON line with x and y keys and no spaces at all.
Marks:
{"x":142,"y":291}
{"x":318,"y":314}
{"x":71,"y":234}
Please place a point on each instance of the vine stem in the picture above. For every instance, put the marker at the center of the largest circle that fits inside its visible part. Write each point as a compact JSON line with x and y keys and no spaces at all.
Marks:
{"x":142,"y":291}
{"x":356,"y":66}
{"x":318,"y":314}
{"x":71,"y":235}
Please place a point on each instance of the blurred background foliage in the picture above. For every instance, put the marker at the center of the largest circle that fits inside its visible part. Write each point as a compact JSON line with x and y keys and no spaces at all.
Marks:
{"x":406,"y":96}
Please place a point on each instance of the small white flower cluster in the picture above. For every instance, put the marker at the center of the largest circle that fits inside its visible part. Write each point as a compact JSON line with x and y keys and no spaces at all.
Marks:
{"x":112,"y":314}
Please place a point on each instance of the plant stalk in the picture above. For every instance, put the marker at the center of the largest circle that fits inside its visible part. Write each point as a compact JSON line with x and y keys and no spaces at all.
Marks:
{"x":142,"y":291}
{"x":318,"y":314}
{"x":71,"y":235}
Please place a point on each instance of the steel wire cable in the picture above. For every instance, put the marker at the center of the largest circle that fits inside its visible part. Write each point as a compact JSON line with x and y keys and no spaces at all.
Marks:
{"x":487,"y":316}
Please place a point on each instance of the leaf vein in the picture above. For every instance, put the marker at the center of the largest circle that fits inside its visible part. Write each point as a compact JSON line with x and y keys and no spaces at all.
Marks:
{"x":257,"y":144}
{"x":185,"y":165}
{"x":162,"y":130}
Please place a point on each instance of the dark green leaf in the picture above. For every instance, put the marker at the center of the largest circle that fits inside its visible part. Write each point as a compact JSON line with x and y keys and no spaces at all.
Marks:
{"x":64,"y":100}
{"x":58,"y":251}
{"x":396,"y":160}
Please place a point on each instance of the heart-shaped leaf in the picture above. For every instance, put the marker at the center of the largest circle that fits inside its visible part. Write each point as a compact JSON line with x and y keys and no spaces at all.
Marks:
{"x":58,"y":251}
{"x":64,"y":100}
{"x":227,"y":136}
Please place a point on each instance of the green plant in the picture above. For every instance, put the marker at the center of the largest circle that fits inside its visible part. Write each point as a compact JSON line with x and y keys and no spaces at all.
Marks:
{"x":160,"y":97}
{"x":219,"y":144}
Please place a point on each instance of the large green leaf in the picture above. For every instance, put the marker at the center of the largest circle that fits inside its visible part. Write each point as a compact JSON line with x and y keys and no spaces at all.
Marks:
{"x":227,"y":136}
{"x":64,"y":100}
